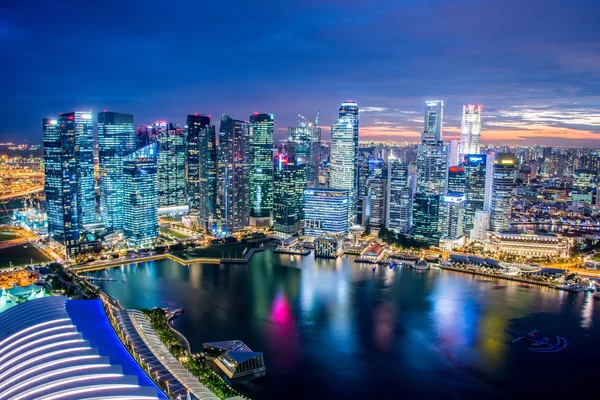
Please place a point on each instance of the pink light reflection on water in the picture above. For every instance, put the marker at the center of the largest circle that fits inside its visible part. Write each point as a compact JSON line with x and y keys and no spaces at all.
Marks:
{"x":282,"y":334}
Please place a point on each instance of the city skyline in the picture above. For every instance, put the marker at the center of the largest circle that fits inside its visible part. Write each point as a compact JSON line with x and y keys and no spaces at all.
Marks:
{"x":536,"y":85}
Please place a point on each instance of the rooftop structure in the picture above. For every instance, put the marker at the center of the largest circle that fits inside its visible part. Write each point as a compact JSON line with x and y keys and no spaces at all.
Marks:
{"x":234,"y":358}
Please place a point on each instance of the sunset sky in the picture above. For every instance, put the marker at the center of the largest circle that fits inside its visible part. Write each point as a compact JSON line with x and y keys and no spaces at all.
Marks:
{"x":534,"y":65}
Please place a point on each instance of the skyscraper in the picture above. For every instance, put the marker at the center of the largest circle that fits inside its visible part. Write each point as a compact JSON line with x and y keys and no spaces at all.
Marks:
{"x":304,"y":142}
{"x":426,"y":209}
{"x":350,"y":110}
{"x":377,"y":193}
{"x":69,"y":172}
{"x":116,"y":139}
{"x":171,"y":164}
{"x":342,"y":160}
{"x":325,"y":211}
{"x":503,"y":178}
{"x":202,"y":172}
{"x":261,"y":169}
{"x":432,"y":161}
{"x":399,"y":198}
{"x":457,"y":180}
{"x":140,"y":197}
{"x":434,"y":115}
{"x":452,"y":210}
{"x":233,"y":173}
{"x":470,"y":132}
{"x":288,"y":184}
{"x":475,"y":167}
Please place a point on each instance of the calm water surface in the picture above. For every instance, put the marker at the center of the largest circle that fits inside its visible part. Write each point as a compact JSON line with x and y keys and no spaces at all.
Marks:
{"x":335,"y":329}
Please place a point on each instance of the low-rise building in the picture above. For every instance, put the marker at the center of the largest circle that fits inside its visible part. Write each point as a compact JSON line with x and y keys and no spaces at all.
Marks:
{"x":527,"y":244}
{"x":328,"y":246}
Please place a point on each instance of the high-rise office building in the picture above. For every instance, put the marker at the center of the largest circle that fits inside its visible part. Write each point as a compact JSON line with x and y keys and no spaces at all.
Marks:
{"x":432,"y":161}
{"x":288,"y":186}
{"x":202,"y":172}
{"x":233,"y":174}
{"x":453,"y":153}
{"x":426,"y":209}
{"x":457,"y":179}
{"x":171,"y":164}
{"x":475,"y":167}
{"x":325,"y":211}
{"x":140,"y":197}
{"x":144,"y":135}
{"x":116,"y":139}
{"x":69,"y":171}
{"x":503,"y":178}
{"x":261,"y":169}
{"x":434,"y":115}
{"x":377,"y":199}
{"x":399,"y":198}
{"x":470,"y":132}
{"x":304,"y":144}
{"x":349,"y":110}
{"x":452,"y":215}
{"x":342,"y":160}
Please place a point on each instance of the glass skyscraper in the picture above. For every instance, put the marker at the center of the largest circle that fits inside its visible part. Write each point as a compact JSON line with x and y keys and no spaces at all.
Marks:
{"x":171,"y":164}
{"x":261,"y":169}
{"x":202,"y":172}
{"x":399,"y":198}
{"x":116,"y":139}
{"x":83,"y":128}
{"x":426,"y":208}
{"x":349,"y":109}
{"x":470,"y":132}
{"x":457,"y":179}
{"x":503,"y":178}
{"x":304,"y":143}
{"x":475,"y":167}
{"x":233,"y":173}
{"x":434,"y":116}
{"x":325,"y":211}
{"x":289,"y":183}
{"x":452,"y":215}
{"x":432,"y":161}
{"x":342,"y":160}
{"x":140,"y":197}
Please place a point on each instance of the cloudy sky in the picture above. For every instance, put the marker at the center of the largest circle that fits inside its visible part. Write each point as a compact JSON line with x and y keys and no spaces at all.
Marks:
{"x":534,"y":65}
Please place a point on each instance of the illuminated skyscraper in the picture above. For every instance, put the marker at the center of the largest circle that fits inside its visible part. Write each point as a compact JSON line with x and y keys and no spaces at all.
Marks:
{"x":325,"y":211}
{"x":171,"y":164}
{"x":426,"y":208}
{"x":233,"y":173}
{"x":376,"y":200}
{"x":342,"y":160}
{"x":261,"y":169}
{"x":116,"y":139}
{"x":457,"y":180}
{"x":503,"y":178}
{"x":69,"y":171}
{"x":304,"y":144}
{"x":432,"y":168}
{"x":434,"y":115}
{"x":452,"y":215}
{"x":349,"y":109}
{"x":475,"y":167}
{"x":140,"y":197}
{"x":470,"y":132}
{"x":202,"y":172}
{"x":399,"y":198}
{"x":289,"y":183}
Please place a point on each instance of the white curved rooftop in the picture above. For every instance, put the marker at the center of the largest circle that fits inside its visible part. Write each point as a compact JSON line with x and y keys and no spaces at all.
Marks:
{"x":56,"y":348}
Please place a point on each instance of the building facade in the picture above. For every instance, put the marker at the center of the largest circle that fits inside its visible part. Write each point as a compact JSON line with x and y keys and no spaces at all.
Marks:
{"x":140,"y":197}
{"x":261,"y":169}
{"x":470,"y":131}
{"x":116,"y":140}
{"x":171,"y":164}
{"x":304,"y":144}
{"x":434,"y":116}
{"x":527,"y":244}
{"x":84,"y":148}
{"x":432,"y":168}
{"x":233,"y":174}
{"x":325,"y":211}
{"x":452,"y":215}
{"x":289,"y":183}
{"x":426,"y":208}
{"x":399,"y":198}
{"x":503,"y":178}
{"x":475,"y":166}
{"x":377,"y":201}
{"x":349,"y":110}
{"x":342,"y":160}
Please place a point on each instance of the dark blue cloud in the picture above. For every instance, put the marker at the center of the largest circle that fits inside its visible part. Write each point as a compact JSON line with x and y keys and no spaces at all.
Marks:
{"x":165,"y":59}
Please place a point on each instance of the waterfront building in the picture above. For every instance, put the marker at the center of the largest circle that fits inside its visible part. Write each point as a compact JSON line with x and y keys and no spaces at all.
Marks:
{"x":527,"y":244}
{"x":434,"y":116}
{"x":58,"y":348}
{"x":475,"y":166}
{"x":69,"y":177}
{"x":329,"y":246}
{"x":452,"y":210}
{"x":325,"y":211}
{"x":288,"y":187}
{"x":261,"y":169}
{"x":304,"y":144}
{"x":342,"y":160}
{"x":426,"y":209}
{"x":116,"y":139}
{"x":202,"y":172}
{"x":377,"y":199}
{"x":349,"y":110}
{"x":503,"y":178}
{"x":235,"y":358}
{"x":432,"y":161}
{"x":470,"y":132}
{"x":399,"y":198}
{"x":140,"y":197}
{"x":171,"y":164}
{"x":481,"y":224}
{"x":233,"y":182}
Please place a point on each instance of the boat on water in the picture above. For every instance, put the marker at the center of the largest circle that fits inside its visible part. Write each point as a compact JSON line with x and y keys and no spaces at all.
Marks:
{"x":576,"y":288}
{"x":421,"y":265}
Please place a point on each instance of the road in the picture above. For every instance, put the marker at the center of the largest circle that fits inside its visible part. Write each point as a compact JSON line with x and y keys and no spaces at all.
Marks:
{"x":21,"y":194}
